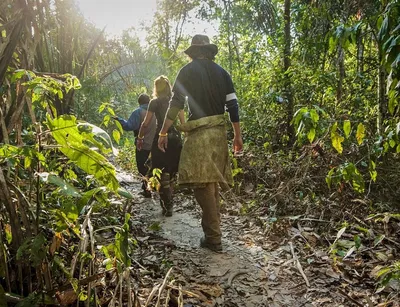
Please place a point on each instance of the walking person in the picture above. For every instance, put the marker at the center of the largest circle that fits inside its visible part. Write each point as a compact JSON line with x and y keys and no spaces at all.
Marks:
{"x":133,"y":124}
{"x":167,"y":160}
{"x":204,"y":162}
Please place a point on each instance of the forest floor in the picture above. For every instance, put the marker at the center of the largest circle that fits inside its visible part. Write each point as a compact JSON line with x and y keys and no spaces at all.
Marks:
{"x":285,"y":265}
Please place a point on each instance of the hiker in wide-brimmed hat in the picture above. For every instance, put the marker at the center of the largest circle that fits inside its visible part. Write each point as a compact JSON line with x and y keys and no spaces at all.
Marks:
{"x":204,"y":162}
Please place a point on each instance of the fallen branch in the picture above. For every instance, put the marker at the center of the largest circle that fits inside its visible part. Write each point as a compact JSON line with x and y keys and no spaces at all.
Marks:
{"x":234,"y":274}
{"x":188,"y":293}
{"x":81,"y":282}
{"x":152,"y":294}
{"x":161,"y":289}
{"x":298,"y":265}
{"x":350,"y":298}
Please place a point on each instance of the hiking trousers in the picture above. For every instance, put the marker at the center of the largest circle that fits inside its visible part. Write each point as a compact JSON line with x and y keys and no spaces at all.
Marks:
{"x":208,"y":199}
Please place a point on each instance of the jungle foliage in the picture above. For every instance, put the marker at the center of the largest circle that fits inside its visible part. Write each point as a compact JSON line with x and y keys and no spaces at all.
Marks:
{"x":318,"y":84}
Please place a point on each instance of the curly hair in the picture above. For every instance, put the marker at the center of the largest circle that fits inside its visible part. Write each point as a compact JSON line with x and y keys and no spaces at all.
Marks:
{"x":162,"y":87}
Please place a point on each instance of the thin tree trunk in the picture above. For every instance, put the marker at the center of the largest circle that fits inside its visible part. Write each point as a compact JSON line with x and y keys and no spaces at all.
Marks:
{"x":228,"y":28}
{"x":13,"y":40}
{"x":382,"y":107}
{"x":287,"y":65}
{"x":341,"y":75}
{"x":360,"y":54}
{"x":6,"y":199}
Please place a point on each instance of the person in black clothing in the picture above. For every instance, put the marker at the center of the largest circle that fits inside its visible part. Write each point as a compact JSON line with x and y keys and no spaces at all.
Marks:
{"x":204,"y":163}
{"x":167,"y":160}
{"x":133,"y":124}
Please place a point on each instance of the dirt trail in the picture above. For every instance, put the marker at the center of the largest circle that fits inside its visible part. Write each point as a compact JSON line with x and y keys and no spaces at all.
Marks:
{"x":244,"y":274}
{"x":281,"y":262}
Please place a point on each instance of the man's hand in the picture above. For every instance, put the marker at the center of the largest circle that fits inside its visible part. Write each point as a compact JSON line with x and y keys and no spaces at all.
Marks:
{"x":237,"y":146}
{"x":139,"y":144}
{"x":162,"y":143}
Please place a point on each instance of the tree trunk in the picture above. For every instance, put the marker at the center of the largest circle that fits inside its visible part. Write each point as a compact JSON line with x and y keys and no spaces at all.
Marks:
{"x":360,"y":53}
{"x":287,"y":79}
{"x":341,"y":75}
{"x":228,"y":28}
{"x":382,"y":106}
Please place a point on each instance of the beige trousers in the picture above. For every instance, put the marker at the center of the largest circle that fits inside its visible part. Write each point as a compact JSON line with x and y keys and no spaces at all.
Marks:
{"x":208,"y":199}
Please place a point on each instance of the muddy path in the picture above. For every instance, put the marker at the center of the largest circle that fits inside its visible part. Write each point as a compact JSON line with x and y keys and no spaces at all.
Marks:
{"x":256,"y":268}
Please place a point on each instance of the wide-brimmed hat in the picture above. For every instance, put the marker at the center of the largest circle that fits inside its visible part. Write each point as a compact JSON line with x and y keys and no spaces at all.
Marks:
{"x":200,"y":41}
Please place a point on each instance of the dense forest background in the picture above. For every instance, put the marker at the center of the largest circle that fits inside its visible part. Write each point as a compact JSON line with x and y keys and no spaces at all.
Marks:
{"x":318,"y":85}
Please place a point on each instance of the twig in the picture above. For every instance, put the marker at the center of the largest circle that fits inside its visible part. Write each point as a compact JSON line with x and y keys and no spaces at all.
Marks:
{"x":161,"y":289}
{"x":168,"y":298}
{"x":13,"y":298}
{"x":152,"y":294}
{"x":298,"y":265}
{"x":112,"y":303}
{"x":349,"y":297}
{"x":180,"y":297}
{"x":81,"y":282}
{"x":234,"y":274}
{"x":184,"y":291}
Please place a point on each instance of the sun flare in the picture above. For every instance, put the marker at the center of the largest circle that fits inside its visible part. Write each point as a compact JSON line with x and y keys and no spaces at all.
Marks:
{"x":118,"y":15}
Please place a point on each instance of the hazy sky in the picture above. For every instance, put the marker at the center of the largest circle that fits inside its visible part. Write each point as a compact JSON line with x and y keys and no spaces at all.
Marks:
{"x":118,"y":15}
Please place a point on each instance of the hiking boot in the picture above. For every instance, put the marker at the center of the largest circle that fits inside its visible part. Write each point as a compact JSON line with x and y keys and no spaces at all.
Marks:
{"x":169,"y":211}
{"x":215,"y":247}
{"x":167,"y":208}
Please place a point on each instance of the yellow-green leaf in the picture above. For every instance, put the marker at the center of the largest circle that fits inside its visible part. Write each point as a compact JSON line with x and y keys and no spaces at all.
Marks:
{"x":116,"y":135}
{"x":337,"y":141}
{"x":360,"y":133}
{"x":27,"y":162}
{"x":311,"y":135}
{"x":347,"y":128}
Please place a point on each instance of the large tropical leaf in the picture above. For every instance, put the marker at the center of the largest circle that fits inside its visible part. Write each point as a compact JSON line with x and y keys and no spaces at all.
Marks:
{"x":64,"y":130}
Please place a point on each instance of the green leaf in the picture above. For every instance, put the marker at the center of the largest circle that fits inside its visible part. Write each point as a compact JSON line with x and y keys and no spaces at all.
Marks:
{"x":34,"y":249}
{"x":102,"y":107}
{"x":155,"y":226}
{"x":357,"y":241}
{"x":328,"y":178}
{"x":119,"y":126}
{"x":311,"y":135}
{"x":111,"y":111}
{"x":122,"y":243}
{"x":360,"y":133}
{"x":125,"y":193}
{"x":27,"y":162}
{"x":336,"y":138}
{"x":314,"y":116}
{"x":337,"y":141}
{"x":65,"y":187}
{"x":97,"y":137}
{"x":347,"y":128}
{"x":383,"y":31}
{"x":18,"y":74}
{"x":157,"y":173}
{"x":116,"y":136}
{"x":65,"y":132}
